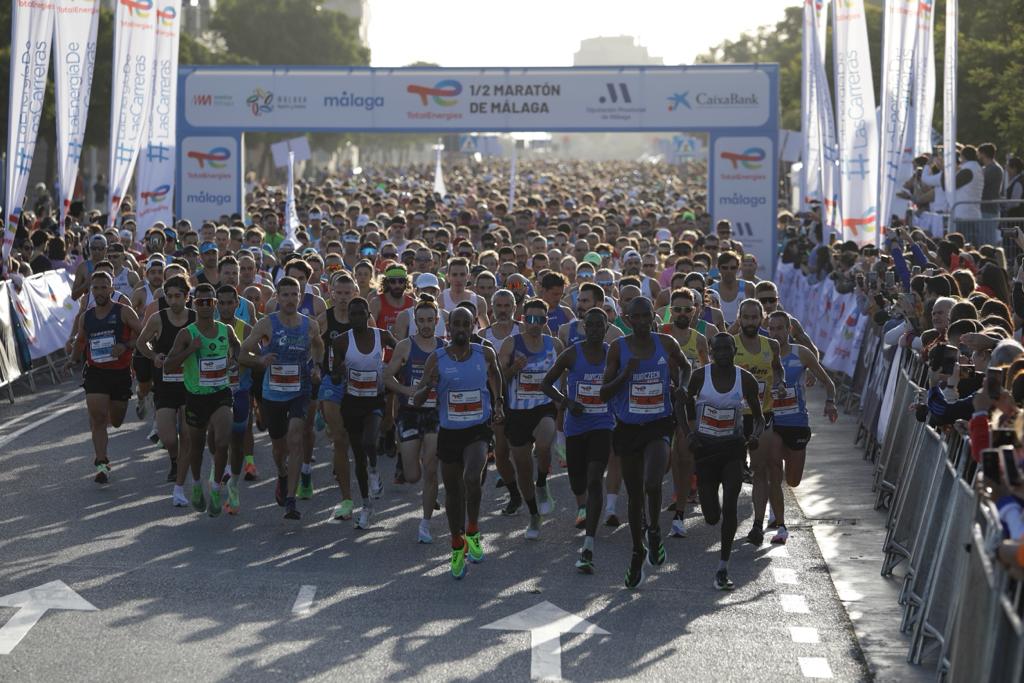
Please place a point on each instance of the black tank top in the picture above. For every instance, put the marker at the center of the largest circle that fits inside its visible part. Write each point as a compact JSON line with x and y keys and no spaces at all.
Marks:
{"x":335,"y":328}
{"x":168,"y":331}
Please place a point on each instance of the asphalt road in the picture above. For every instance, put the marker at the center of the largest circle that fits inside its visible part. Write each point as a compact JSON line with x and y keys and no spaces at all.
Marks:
{"x":181,"y":596}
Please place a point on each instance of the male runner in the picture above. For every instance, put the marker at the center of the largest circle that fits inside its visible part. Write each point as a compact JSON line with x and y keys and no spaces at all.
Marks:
{"x":336,"y":324}
{"x":456,"y":293}
{"x":731,"y":291}
{"x":144,"y":295}
{"x":503,"y":308}
{"x":241,"y":383}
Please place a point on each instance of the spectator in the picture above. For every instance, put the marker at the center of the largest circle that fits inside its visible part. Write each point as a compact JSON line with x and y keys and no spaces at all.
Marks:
{"x":993,"y":185}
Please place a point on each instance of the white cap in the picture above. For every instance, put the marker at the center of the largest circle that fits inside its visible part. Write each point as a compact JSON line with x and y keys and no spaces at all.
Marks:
{"x":424,"y":280}
{"x":663,"y":235}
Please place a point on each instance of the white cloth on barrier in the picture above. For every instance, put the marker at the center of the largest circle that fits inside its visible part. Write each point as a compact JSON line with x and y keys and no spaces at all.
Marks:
{"x":46,"y":311}
{"x":887,"y":397}
{"x":842,"y":352}
{"x":10,"y":369}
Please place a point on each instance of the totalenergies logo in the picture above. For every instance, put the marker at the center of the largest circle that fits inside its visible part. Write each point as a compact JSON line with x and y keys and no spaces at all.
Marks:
{"x":138,"y":8}
{"x":167,"y":15}
{"x":156,"y":195}
{"x":750,"y":158}
{"x":260,"y":102}
{"x":867,"y":223}
{"x":443,"y":92}
{"x":216,"y":157}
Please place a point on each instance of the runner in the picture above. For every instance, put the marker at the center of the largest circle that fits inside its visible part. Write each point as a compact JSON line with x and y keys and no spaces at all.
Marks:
{"x":142,"y":366}
{"x":104,"y":336}
{"x":468,"y":387}
{"x":588,"y":424}
{"x":358,"y":361}
{"x":790,"y":422}
{"x":503,"y":308}
{"x":205,"y":352}
{"x":426,"y":284}
{"x":718,"y":438}
{"x":294,"y":340}
{"x":456,"y":293}
{"x":241,"y":385}
{"x":525,"y":359}
{"x":394,"y":297}
{"x":638,"y":379}
{"x":336,"y":324}
{"x":417,"y":427}
{"x":731,"y":291}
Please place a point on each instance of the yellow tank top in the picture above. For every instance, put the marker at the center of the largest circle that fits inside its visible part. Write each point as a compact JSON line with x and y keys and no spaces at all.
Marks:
{"x":689,"y":349}
{"x":758,"y":364}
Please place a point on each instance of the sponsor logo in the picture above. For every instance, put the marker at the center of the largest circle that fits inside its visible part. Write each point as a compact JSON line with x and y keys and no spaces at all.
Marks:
{"x":706,"y":100}
{"x":750,"y":158}
{"x":866,"y":223}
{"x":740,"y":199}
{"x":348,"y":100}
{"x":615,"y":95}
{"x":216,"y":157}
{"x":443,"y":93}
{"x":166,"y":16}
{"x":260,"y":102}
{"x":138,"y":8}
{"x":205,"y":197}
{"x":156,"y":195}
{"x":679,"y":99}
{"x":211,"y":100}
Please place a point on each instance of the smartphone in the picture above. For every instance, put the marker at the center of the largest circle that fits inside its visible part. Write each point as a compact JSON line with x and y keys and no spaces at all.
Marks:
{"x":950,"y":355}
{"x":1003,"y":437}
{"x":860,"y":280}
{"x":890,"y":279}
{"x":872,"y":279}
{"x":990,"y":464}
{"x":994,"y":380}
{"x":966,"y":370}
{"x":1010,"y":468}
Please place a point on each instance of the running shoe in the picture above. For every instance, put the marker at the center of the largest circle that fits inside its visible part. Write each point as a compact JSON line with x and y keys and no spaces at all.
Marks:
{"x":318,"y":423}
{"x":141,"y":408}
{"x":423,"y":536}
{"x":213,"y":509}
{"x":249,"y":469}
{"x":772,"y":522}
{"x":635,"y":573}
{"x":545,"y":501}
{"x":533,"y":531}
{"x":102,"y":473}
{"x":585,"y":564}
{"x":231,"y":507}
{"x":559,"y":449}
{"x":655,"y":548}
{"x":756,"y":535}
{"x":513,"y":505}
{"x":475,"y":548}
{"x":291,"y":511}
{"x":612,"y":520}
{"x":459,"y":561}
{"x":281,"y":490}
{"x":363,"y":520}
{"x":722,"y":581}
{"x":399,"y":474}
{"x":172,"y":474}
{"x":152,"y":436}
{"x":376,"y":485}
{"x":581,"y":517}
{"x":678,"y":527}
{"x":305,"y":491}
{"x":198,"y":500}
{"x":344,"y":510}
{"x":781,"y":536}
{"x":178,"y":499}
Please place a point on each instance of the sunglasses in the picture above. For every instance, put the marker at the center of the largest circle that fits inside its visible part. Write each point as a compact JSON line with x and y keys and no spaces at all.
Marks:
{"x":535,"y":319}
{"x":584,"y":275}
{"x":204,"y":302}
{"x":605,"y":283}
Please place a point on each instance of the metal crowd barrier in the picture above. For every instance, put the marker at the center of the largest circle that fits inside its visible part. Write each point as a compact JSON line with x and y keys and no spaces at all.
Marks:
{"x":988,"y":230}
{"x":963,"y":612}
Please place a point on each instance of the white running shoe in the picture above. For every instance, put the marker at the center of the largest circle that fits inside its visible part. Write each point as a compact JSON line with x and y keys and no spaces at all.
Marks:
{"x":376,"y":485}
{"x":424,"y":533}
{"x":781,"y":536}
{"x":545,"y":501}
{"x":678,"y":529}
{"x":179,"y":499}
{"x":363,"y":519}
{"x":533,"y":531}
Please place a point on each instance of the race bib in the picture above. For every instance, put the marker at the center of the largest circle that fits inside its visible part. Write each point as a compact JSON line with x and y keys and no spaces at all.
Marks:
{"x":233,"y":379}
{"x":787,"y":404}
{"x":529,"y":386}
{"x":101,"y":347}
{"x":417,"y":377}
{"x":465,"y":406}
{"x":588,"y":394}
{"x":362,"y":383}
{"x":760,"y":395}
{"x":213,"y":372}
{"x":646,"y":398}
{"x":717,"y":422}
{"x":285,"y":378}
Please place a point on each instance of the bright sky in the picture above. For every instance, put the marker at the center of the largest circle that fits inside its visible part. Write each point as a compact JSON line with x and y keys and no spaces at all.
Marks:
{"x":548,"y":32}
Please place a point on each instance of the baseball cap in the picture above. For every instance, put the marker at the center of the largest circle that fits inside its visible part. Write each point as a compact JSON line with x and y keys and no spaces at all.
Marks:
{"x":98,"y":240}
{"x":191,"y":249}
{"x":424,"y":280}
{"x":155,"y":261}
{"x":171,"y":233}
{"x":663,"y":235}
{"x":206,"y":247}
{"x":593,"y":257}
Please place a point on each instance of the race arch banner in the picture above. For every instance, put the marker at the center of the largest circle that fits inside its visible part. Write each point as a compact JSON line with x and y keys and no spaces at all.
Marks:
{"x":736,"y":104}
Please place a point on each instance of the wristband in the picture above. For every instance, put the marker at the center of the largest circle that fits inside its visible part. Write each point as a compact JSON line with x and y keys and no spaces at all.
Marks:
{"x":1020,"y":554}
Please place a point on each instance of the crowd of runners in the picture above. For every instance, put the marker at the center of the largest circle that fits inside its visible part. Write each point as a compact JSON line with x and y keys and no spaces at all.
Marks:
{"x":600,"y":324}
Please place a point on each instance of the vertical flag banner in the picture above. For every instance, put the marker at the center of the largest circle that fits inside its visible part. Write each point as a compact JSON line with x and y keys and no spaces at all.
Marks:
{"x":949,"y":101}
{"x":512,"y":173}
{"x":74,"y":51}
{"x":291,"y":218}
{"x":924,"y":78}
{"x":154,"y":178}
{"x":811,"y":155}
{"x":131,"y":92}
{"x":856,"y":123}
{"x":898,"y":48}
{"x":439,"y":187}
{"x":31,"y":38}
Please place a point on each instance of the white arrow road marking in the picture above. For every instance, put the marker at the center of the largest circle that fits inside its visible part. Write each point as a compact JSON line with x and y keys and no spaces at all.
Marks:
{"x":33,"y":604}
{"x":546,"y":623}
{"x":304,"y":600}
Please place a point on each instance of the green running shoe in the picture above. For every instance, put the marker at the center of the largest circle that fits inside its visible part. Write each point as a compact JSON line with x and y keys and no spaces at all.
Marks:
{"x":635,"y":573}
{"x":344,"y":510}
{"x":215,"y":504}
{"x":305,"y":490}
{"x":231,"y":507}
{"x":102,"y":473}
{"x":459,"y":561}
{"x":475,"y":548}
{"x":198,"y":501}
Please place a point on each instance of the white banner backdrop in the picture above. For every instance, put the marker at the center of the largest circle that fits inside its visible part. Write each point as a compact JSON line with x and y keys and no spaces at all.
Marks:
{"x":830,"y":185}
{"x":856,"y":123}
{"x":31,"y":37}
{"x":949,"y":100}
{"x":924,"y":79}
{"x":815,"y":13}
{"x":291,"y":218}
{"x":154,"y":179}
{"x":131,"y":94}
{"x":74,"y":50}
{"x":46,"y":311}
{"x":10,"y":368}
{"x":898,"y":50}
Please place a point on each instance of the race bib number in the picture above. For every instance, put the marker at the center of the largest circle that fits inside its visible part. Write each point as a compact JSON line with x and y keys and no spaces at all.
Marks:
{"x":233,"y":378}
{"x":646,"y":398}
{"x":761,"y":386}
{"x":213,"y":372}
{"x":465,"y":406}
{"x":588,"y":394}
{"x":417,"y":377}
{"x":101,"y":347}
{"x":717,"y":422}
{"x":529,"y":386}
{"x":787,"y":404}
{"x":362,"y":383}
{"x":285,"y":378}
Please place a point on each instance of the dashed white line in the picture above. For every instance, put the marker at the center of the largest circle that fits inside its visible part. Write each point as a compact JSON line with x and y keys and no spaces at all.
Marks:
{"x":304,"y":600}
{"x":777,"y":552}
{"x":784,"y":575}
{"x":803,"y":634}
{"x":794,"y":604}
{"x":815,"y":667}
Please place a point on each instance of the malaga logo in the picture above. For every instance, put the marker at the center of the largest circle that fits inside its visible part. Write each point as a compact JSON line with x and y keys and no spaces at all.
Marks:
{"x":138,"y":8}
{"x":216,"y":157}
{"x":443,"y":92}
{"x":751,"y":158}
